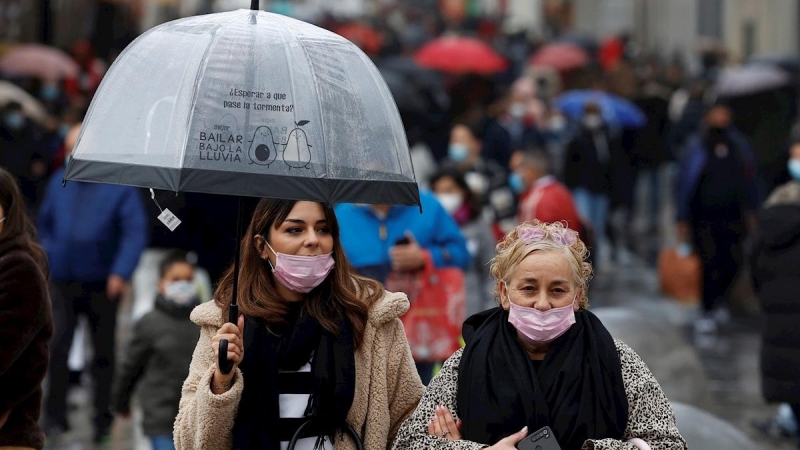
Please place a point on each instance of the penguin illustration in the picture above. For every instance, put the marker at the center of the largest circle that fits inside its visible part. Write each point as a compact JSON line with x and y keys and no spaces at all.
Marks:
{"x":263,"y":147}
{"x":297,"y":150}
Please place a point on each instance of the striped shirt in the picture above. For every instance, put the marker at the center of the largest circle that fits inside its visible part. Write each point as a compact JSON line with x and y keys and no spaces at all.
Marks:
{"x":294,"y":391}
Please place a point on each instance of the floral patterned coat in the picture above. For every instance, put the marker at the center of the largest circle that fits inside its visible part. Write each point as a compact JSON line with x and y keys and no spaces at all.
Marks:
{"x":650,"y":416}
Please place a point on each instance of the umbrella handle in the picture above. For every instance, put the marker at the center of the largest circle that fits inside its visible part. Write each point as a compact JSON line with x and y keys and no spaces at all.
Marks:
{"x":226,"y":365}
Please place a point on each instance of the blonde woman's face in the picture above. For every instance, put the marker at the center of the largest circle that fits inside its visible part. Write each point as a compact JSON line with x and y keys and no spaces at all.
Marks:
{"x":543,"y":280}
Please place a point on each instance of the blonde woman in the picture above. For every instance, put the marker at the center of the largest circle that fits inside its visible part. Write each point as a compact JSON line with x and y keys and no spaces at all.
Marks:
{"x":541,"y":359}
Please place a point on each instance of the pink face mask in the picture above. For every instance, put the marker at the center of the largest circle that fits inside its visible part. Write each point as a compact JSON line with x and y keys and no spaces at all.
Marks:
{"x":541,"y":327}
{"x":301,"y":273}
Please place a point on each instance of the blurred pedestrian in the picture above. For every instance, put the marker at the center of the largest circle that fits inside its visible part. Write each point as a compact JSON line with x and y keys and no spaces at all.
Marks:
{"x":380,"y":239}
{"x":717,"y":197}
{"x":651,"y":153}
{"x":542,"y":197}
{"x":775,"y":266}
{"x":314,"y":339}
{"x":81,"y":88}
{"x":542,"y":359}
{"x":26,"y":323}
{"x":370,"y":236}
{"x":588,"y":172}
{"x":458,"y":200}
{"x":160,"y":351}
{"x":521,"y":114}
{"x":93,"y":235}
{"x":485,"y":177}
{"x":21,"y":152}
{"x":557,"y":135}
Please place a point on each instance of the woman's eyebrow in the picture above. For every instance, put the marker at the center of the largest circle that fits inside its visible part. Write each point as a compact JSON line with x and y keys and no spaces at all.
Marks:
{"x":301,"y":221}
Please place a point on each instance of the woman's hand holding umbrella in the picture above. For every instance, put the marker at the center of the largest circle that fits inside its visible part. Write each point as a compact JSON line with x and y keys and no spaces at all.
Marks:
{"x":233,"y":333}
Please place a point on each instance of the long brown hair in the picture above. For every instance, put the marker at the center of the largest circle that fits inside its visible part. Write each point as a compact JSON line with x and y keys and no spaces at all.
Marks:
{"x":343,"y":293}
{"x":18,"y":229}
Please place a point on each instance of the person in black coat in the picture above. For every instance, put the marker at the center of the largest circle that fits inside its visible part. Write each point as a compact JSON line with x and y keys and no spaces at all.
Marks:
{"x":592,"y":159}
{"x":26,"y":322}
{"x":776,"y":274}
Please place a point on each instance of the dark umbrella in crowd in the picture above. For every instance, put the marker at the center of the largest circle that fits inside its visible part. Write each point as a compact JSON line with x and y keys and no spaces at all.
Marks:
{"x":247,"y":103}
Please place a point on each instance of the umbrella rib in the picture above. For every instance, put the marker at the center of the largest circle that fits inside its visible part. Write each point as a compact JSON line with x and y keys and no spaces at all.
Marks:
{"x":321,"y":116}
{"x":376,"y":73}
{"x":198,"y":76}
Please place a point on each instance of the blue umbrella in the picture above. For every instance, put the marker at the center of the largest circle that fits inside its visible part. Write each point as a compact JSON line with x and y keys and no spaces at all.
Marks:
{"x":617,"y":111}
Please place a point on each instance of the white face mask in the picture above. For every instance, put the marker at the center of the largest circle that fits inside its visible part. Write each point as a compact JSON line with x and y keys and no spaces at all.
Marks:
{"x":592,"y":121}
{"x":557,"y":123}
{"x":450,"y":202}
{"x":517,"y":110}
{"x":181,"y":292}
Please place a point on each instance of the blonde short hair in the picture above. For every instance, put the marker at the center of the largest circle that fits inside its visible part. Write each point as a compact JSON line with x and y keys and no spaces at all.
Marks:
{"x":529,"y":237}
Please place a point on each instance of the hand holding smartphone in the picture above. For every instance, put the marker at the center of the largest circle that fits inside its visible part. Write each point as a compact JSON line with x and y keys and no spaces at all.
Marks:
{"x":542,"y":439}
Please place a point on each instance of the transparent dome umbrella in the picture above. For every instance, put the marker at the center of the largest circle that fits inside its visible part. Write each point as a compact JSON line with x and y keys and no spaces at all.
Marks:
{"x":247,"y":103}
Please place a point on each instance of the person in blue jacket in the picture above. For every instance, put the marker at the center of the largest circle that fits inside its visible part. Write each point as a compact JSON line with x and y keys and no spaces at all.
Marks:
{"x":380,"y":239}
{"x":717,"y":198}
{"x":93,"y":235}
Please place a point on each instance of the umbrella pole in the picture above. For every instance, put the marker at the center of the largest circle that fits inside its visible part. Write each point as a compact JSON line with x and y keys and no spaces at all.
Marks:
{"x":226,"y":365}
{"x":254,"y":5}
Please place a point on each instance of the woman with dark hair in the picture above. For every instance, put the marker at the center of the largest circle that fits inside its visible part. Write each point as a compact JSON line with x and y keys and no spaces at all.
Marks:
{"x":315,"y":341}
{"x":26,"y":323}
{"x":460,"y":202}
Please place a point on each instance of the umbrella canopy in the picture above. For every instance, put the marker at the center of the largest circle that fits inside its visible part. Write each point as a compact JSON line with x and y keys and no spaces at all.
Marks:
{"x":31,"y":107}
{"x":38,"y":61}
{"x":750,"y":79}
{"x":247,"y":103}
{"x":458,"y":55}
{"x":617,"y":111}
{"x":561,"y":56}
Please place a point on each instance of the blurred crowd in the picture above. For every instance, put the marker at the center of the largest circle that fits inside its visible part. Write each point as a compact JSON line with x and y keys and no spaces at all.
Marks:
{"x":555,"y":130}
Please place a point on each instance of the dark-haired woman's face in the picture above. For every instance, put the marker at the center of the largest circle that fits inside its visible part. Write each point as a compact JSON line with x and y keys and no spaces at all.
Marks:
{"x":305,"y":232}
{"x":446,"y":185}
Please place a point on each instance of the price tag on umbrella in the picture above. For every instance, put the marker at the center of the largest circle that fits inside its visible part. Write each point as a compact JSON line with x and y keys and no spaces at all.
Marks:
{"x":166,"y":217}
{"x":170,"y":220}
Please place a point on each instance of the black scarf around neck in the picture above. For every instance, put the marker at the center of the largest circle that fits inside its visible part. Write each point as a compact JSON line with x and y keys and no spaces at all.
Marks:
{"x":257,"y":424}
{"x":577,"y":391}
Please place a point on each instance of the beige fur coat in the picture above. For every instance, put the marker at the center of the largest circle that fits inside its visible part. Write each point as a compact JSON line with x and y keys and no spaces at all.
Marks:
{"x":388,"y":388}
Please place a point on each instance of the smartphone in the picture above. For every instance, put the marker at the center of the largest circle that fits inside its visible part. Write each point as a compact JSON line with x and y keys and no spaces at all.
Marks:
{"x":403,"y":241}
{"x":540,"y":440}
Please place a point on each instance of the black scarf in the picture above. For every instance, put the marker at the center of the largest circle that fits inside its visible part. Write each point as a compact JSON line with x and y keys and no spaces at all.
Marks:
{"x":577,"y":391}
{"x":257,"y":424}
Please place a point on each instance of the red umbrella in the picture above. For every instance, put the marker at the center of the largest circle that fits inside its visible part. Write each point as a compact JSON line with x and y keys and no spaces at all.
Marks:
{"x":455,"y":54}
{"x":367,"y":38}
{"x":39,"y":61}
{"x":561,"y":56}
